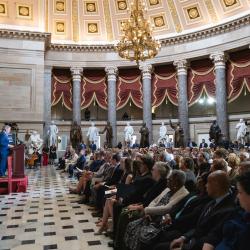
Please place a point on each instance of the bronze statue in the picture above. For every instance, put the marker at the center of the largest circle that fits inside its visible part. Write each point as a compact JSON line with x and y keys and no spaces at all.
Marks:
{"x":144,"y":136}
{"x":215,"y":132}
{"x":178,"y":134}
{"x":109,"y":134}
{"x":75,"y":135}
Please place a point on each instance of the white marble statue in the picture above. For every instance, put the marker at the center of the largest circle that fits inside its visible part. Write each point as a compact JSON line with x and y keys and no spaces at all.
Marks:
{"x":128,"y":133}
{"x":52,"y":133}
{"x":242,"y":130}
{"x":93,"y":133}
{"x":163,"y":137}
{"x":35,"y":142}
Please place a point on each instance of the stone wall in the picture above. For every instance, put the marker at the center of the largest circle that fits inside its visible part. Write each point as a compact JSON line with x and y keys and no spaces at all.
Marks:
{"x":21,"y":82}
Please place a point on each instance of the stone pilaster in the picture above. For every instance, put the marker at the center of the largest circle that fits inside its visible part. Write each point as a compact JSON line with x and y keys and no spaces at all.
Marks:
{"x":47,"y":100}
{"x":181,"y":66}
{"x":146,"y":70}
{"x":76,"y":75}
{"x":219,"y":60}
{"x":111,"y":78}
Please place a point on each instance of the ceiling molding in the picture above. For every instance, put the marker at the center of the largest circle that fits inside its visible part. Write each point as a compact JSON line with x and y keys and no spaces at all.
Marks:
{"x":194,"y":36}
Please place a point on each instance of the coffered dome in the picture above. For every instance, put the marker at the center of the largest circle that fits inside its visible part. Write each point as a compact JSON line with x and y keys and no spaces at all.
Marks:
{"x":99,"y":21}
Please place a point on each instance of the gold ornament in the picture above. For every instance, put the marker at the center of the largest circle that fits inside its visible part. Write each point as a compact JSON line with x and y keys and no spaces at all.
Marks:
{"x":122,"y":5}
{"x":193,"y":13}
{"x":91,"y":7}
{"x":154,"y":2}
{"x":2,"y":9}
{"x":230,"y":2}
{"x":60,"y":6}
{"x":24,"y":11}
{"x":92,"y":28}
{"x":60,"y":27}
{"x":159,"y":21}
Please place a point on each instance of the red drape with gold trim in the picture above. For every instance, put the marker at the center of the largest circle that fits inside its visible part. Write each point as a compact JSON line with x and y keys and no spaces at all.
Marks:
{"x":61,"y":88}
{"x":238,"y":73}
{"x":164,"y":84}
{"x":94,"y":87}
{"x":129,"y":87}
{"x":201,"y":78}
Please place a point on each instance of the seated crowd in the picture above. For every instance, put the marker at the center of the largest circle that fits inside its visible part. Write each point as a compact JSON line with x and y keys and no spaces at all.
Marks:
{"x":166,"y":198}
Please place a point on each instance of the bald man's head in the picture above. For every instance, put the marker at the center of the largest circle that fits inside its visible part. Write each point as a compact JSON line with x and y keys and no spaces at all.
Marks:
{"x":218,"y":184}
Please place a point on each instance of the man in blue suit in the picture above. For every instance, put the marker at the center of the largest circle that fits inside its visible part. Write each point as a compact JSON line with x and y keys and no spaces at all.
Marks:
{"x":4,"y":149}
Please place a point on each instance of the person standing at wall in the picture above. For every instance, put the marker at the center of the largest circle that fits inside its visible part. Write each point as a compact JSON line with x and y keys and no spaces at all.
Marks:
{"x":4,"y":149}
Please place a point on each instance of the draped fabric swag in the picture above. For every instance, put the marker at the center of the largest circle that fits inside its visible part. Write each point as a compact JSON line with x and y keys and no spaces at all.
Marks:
{"x":238,"y":74}
{"x":164,"y":85}
{"x":94,"y":88}
{"x":129,"y":88}
{"x":201,"y":79}
{"x":61,"y":88}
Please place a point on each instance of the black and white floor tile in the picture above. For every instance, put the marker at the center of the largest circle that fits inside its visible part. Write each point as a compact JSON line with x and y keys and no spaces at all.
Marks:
{"x":47,"y":217}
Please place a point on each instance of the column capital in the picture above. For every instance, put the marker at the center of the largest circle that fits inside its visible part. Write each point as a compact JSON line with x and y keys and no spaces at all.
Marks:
{"x":181,"y":66}
{"x":76,"y":73}
{"x":146,"y":70}
{"x":219,"y":58}
{"x":48,"y":69}
{"x":111,"y":72}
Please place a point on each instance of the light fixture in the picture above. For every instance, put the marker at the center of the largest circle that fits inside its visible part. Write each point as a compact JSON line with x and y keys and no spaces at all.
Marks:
{"x":210,"y":100}
{"x":202,"y":100}
{"x":137,"y":43}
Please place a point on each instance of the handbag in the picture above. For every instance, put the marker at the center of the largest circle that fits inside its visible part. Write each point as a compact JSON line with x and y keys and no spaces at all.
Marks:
{"x":149,"y":233}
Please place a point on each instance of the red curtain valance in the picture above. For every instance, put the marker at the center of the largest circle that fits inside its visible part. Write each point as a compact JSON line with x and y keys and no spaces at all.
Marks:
{"x":164,"y":84}
{"x":238,"y":73}
{"x":61,"y":88}
{"x":94,"y":87}
{"x":129,"y":86}
{"x":201,"y":78}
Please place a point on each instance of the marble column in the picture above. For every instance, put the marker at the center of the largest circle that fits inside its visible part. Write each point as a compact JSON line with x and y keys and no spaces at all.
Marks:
{"x":181,"y":66}
{"x":111,"y":78}
{"x":47,"y":101}
{"x":146,"y":70}
{"x":219,"y":60}
{"x":76,"y":75}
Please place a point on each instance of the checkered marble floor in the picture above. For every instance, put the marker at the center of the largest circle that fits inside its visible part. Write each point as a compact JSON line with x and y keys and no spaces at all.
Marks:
{"x":47,"y":216}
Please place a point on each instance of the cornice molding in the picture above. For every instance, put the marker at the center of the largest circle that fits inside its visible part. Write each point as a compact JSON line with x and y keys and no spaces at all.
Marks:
{"x":179,"y":39}
{"x":26,"y":35}
{"x":209,"y":32}
{"x":82,"y":48}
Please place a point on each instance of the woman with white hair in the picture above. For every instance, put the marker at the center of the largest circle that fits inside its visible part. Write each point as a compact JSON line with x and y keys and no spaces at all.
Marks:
{"x":4,"y":149}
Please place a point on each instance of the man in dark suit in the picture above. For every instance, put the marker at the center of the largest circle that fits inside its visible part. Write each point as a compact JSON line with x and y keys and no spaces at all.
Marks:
{"x":79,"y":163}
{"x":203,"y":144}
{"x":191,"y":143}
{"x":111,"y":181}
{"x":236,"y":231}
{"x":213,"y":215}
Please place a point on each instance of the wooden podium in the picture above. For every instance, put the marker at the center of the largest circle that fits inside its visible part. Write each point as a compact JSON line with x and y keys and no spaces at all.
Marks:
{"x":16,"y":179}
{"x":17,"y":154}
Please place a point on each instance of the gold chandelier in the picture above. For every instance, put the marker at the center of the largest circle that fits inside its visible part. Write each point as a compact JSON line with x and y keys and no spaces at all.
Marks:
{"x":137,"y":43}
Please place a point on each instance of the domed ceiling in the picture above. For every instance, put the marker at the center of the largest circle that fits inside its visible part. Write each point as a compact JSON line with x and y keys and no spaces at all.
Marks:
{"x":99,"y":21}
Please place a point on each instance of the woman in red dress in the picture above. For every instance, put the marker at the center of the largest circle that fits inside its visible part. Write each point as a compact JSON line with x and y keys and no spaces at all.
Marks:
{"x":45,"y":155}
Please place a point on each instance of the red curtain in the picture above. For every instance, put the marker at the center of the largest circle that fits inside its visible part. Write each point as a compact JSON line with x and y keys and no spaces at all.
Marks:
{"x":164,"y":84}
{"x":61,"y":88}
{"x":129,"y":87}
{"x":94,"y":87}
{"x":238,"y":73}
{"x":201,"y":78}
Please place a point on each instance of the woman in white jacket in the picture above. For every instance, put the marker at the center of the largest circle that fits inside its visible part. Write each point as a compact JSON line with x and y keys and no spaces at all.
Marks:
{"x":161,"y":205}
